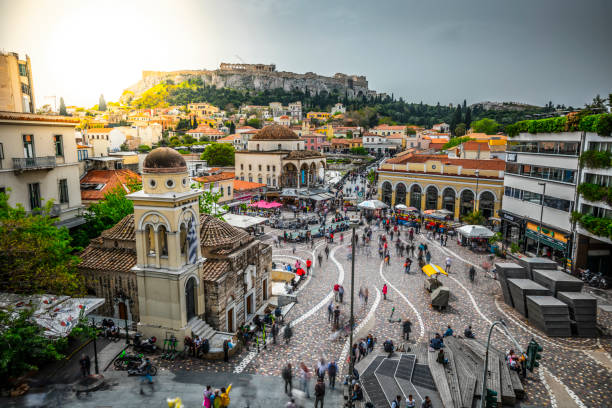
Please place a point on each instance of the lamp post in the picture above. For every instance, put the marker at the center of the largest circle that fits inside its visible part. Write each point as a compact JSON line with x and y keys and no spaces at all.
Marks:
{"x":486,"y":360}
{"x":352,"y":318}
{"x":541,"y":215}
{"x":95,"y":336}
{"x":476,"y":201}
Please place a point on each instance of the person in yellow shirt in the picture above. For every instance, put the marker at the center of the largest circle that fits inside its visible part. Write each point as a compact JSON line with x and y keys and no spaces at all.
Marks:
{"x":225,"y":399}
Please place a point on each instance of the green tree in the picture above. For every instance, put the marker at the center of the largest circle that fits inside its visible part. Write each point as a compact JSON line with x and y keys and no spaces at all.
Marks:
{"x":144,"y":148}
{"x":183,"y":124}
{"x":209,"y":203}
{"x":102,"y":103}
{"x":485,"y":125}
{"x":349,"y":134}
{"x":232,"y":127}
{"x":254,"y":122}
{"x":455,"y":141}
{"x":474,"y":218}
{"x":371,"y":177}
{"x":35,"y":255}
{"x":460,"y":130}
{"x":62,"y":109}
{"x":456,"y":118}
{"x":23,"y":347}
{"x":219,"y":154}
{"x":362,"y":151}
{"x":468,"y":117}
{"x":410,"y":131}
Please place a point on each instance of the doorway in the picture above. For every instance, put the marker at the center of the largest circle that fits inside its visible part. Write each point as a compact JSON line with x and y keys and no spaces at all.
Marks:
{"x":190,"y":298}
{"x":122,"y":311}
{"x":265,"y":289}
{"x":230,"y":320}
{"x":250,"y":305}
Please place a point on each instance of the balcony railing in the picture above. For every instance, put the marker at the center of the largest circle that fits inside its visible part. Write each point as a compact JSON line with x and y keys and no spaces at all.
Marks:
{"x":34,"y":163}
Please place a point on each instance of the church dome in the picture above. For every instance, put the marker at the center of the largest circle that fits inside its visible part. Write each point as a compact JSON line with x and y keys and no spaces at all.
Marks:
{"x":275,"y":132}
{"x":164,"y":160}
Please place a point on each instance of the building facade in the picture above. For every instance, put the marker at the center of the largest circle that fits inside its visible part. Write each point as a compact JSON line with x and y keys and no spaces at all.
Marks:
{"x":433,"y":182}
{"x":38,"y":163}
{"x":277,"y":157}
{"x":16,"y":84}
{"x":171,"y":269}
{"x":540,"y":192}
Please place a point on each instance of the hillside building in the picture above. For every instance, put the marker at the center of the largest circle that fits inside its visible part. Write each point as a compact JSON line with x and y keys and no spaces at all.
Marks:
{"x":16,"y":84}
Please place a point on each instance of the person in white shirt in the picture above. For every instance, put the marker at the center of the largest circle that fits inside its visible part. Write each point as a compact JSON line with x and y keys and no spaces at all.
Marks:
{"x":448,"y":264}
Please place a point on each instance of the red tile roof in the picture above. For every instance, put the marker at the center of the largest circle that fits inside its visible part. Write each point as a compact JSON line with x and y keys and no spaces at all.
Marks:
{"x":492,"y":164}
{"x":226,"y":175}
{"x":475,"y":146}
{"x":241,"y":185}
{"x":109,"y":179}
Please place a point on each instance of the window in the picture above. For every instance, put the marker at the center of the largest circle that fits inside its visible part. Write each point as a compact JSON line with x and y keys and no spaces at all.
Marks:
{"x":229,"y":190}
{"x":59,"y":147}
{"x":34,"y":195}
{"x":23,"y":70}
{"x":250,"y":167}
{"x":250,"y":178}
{"x":273,"y":168}
{"x":532,"y":197}
{"x":241,"y":166}
{"x":600,"y":179}
{"x":63,"y":191}
{"x":28,"y":146}
{"x":260,"y":167}
{"x":268,"y":167}
{"x":601,"y":146}
{"x":279,"y":146}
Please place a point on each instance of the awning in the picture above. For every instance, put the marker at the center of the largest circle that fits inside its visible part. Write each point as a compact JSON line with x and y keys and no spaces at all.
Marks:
{"x":243,"y":221}
{"x":553,"y":243}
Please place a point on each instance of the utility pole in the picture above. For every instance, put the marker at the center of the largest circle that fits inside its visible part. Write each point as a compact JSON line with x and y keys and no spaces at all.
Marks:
{"x":352,"y":318}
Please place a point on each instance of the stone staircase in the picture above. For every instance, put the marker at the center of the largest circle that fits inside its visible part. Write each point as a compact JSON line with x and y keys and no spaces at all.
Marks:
{"x":200,"y":328}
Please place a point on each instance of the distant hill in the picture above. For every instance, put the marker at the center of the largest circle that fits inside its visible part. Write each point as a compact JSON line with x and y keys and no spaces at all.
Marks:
{"x":504,"y":106}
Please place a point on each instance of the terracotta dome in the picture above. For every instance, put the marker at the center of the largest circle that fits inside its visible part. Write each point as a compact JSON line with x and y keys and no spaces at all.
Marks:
{"x":164,"y":160}
{"x":275,"y":132}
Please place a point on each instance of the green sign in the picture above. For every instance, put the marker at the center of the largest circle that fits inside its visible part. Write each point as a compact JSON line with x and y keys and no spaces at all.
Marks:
{"x":546,"y":240}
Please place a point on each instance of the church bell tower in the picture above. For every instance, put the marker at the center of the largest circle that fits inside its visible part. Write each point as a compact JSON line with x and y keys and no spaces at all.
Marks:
{"x":166,"y":223}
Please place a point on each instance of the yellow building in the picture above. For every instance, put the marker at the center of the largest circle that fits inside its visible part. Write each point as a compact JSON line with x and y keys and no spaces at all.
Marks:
{"x":203,"y":109}
{"x":322,"y":116}
{"x":432,"y":182}
{"x":220,"y":183}
{"x":16,"y":87}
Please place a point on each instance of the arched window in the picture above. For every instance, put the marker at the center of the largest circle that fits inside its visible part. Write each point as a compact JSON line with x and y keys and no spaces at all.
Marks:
{"x":183,"y":240}
{"x":431,"y":198}
{"x":150,"y":240}
{"x":162,"y":235}
{"x":415,"y":196}
{"x":467,"y":202}
{"x":448,"y":199}
{"x":400,"y":194}
{"x":387,"y":191}
{"x":486,"y":204}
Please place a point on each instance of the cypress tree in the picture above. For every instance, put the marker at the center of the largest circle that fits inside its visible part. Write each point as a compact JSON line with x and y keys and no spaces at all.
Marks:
{"x":62,"y":108}
{"x":102,"y":103}
{"x":468,"y":117}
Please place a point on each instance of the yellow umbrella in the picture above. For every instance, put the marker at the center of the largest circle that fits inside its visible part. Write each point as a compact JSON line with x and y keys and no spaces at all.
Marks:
{"x":432,"y":269}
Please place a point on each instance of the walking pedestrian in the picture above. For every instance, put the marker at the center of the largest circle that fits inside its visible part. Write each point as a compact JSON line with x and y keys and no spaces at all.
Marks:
{"x":321,"y":369}
{"x":287,"y":333}
{"x":340,"y":293}
{"x":308,"y":265}
{"x":304,"y":379}
{"x":366,"y":293}
{"x":274,"y":332}
{"x":320,"y":259}
{"x":336,"y":289}
{"x":326,"y":252}
{"x":396,"y":402}
{"x":225,"y":399}
{"x":332,"y":371}
{"x":448,"y":264}
{"x":384,"y":291}
{"x":428,"y":257}
{"x":206,"y":402}
{"x":287,"y":375}
{"x":407,"y":328}
{"x":472,"y":273}
{"x":336,"y":317}
{"x":226,"y":347}
{"x":145,"y":370}
{"x":85,"y":363}
{"x":330,"y":311}
{"x":319,"y":392}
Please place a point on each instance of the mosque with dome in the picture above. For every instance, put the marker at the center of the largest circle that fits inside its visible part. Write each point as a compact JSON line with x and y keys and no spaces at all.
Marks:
{"x":171,"y":269}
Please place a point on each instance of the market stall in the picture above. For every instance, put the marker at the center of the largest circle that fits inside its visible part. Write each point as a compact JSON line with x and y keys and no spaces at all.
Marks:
{"x":406,"y":215}
{"x":474,"y":236}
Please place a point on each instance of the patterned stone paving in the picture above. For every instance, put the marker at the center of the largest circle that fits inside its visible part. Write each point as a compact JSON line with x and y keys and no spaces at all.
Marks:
{"x":476,"y":303}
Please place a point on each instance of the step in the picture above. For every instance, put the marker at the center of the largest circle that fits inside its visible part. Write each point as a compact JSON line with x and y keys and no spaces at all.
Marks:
{"x":439,"y":376}
{"x":405,"y":366}
{"x":373,"y":390}
{"x":452,"y":378}
{"x":373,"y":366}
{"x":421,"y":376}
{"x":384,"y":373}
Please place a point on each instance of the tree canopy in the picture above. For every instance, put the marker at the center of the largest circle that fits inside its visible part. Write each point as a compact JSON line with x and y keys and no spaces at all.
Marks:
{"x":102,"y":103}
{"x":219,"y":154}
{"x":35,"y":255}
{"x":62,"y":108}
{"x":485,"y":125}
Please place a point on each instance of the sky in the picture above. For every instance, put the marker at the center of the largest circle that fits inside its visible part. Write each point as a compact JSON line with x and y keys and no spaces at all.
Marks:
{"x":531,"y":51}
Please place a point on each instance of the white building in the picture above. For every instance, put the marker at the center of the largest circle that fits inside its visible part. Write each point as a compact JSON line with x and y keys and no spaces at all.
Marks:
{"x":338,"y":108}
{"x":38,"y":163}
{"x":379,"y":145}
{"x":541,"y":169}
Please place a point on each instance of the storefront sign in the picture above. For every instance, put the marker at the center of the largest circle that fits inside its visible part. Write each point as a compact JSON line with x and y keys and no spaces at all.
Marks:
{"x":548,"y":232}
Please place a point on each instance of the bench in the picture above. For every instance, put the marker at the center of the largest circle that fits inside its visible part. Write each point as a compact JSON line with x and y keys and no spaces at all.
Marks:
{"x":438,"y":373}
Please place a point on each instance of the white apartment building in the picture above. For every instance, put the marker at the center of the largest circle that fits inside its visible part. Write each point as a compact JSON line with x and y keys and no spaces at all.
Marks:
{"x":540,"y":192}
{"x":38,"y":163}
{"x":379,"y":145}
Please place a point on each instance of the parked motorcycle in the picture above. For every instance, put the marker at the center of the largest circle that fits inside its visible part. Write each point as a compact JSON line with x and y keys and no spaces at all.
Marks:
{"x":139,"y":372}
{"x":127,"y":361}
{"x":146,"y":345}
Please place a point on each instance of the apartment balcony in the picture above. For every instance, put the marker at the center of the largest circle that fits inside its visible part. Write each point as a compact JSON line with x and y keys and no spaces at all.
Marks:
{"x":34,"y":163}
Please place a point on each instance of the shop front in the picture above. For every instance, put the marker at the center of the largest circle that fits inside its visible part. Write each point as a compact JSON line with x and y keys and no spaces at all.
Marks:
{"x":554,"y":244}
{"x":512,"y":228}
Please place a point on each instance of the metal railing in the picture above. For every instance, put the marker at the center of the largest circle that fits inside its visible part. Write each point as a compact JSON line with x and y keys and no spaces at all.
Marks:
{"x":26,"y":163}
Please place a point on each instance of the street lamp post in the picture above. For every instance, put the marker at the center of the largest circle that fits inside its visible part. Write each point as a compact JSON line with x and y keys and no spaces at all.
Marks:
{"x":352,"y":318}
{"x":476,"y":201}
{"x":541,"y":215}
{"x":95,"y":336}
